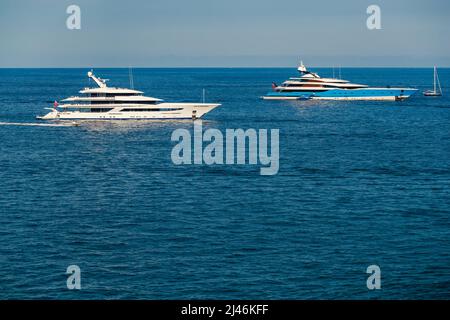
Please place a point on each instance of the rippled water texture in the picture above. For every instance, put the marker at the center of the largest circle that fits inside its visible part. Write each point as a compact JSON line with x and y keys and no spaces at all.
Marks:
{"x":360,"y":183}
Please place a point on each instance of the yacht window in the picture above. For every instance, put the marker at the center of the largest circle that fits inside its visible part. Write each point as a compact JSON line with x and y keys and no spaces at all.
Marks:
{"x":101,"y":109}
{"x":149,"y":110}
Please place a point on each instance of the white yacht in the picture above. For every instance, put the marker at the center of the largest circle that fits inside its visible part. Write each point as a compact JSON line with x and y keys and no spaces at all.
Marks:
{"x":311,"y":86}
{"x":109,"y":103}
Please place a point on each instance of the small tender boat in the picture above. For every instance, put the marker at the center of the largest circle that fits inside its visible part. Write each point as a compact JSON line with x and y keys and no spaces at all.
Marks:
{"x":434,"y":92}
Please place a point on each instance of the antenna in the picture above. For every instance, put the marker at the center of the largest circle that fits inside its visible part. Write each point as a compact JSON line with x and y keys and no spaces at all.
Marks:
{"x":434,"y":78}
{"x":130,"y":74}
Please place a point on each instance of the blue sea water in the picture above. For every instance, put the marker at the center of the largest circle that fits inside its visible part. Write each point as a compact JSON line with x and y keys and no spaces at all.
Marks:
{"x":360,"y":183}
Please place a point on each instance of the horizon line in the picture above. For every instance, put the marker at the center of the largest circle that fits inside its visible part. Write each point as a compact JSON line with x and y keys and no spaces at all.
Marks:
{"x":223,"y":67}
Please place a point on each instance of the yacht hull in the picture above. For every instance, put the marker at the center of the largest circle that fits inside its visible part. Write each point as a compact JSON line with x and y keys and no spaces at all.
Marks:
{"x":156,"y":112}
{"x":432,"y":94}
{"x":382,"y":94}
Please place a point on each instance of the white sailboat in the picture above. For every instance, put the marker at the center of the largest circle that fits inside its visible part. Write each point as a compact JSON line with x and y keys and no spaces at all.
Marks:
{"x":434,"y":93}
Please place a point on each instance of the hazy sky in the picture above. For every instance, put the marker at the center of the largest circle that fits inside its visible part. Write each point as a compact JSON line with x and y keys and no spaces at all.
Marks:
{"x":172,"y":33}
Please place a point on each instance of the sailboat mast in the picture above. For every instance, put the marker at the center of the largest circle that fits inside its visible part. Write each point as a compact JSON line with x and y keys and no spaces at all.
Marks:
{"x":434,"y":78}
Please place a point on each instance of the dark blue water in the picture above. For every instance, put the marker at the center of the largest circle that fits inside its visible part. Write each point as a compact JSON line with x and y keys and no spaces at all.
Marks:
{"x":360,"y":183}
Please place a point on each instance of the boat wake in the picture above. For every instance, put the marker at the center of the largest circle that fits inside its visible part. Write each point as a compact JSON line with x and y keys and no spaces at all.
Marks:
{"x":35,"y":124}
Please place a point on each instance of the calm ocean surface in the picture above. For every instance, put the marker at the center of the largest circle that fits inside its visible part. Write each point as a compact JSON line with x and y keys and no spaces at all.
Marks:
{"x":360,"y":183}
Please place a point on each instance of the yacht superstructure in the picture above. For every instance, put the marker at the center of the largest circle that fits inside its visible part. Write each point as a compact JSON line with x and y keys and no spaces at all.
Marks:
{"x":110,"y":103}
{"x":311,"y":86}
